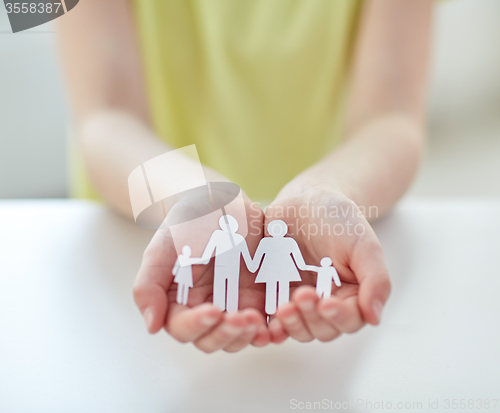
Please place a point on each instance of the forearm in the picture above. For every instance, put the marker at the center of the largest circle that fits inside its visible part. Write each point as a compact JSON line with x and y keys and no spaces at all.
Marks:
{"x":386,"y":112}
{"x":373,"y":167}
{"x":114,"y":143}
{"x":377,"y":164}
{"x":102,"y":61}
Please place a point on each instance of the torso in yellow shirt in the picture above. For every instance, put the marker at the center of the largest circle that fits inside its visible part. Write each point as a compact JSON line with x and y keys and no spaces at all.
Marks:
{"x":257,"y":85}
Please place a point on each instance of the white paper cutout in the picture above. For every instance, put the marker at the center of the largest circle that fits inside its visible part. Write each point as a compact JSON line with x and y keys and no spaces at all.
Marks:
{"x":278,"y":268}
{"x":183,"y":272}
{"x":326,"y":273}
{"x":228,"y":247}
{"x":277,"y":256}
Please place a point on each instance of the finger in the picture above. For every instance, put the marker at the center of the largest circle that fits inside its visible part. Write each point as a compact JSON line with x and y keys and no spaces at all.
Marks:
{"x":369,"y":266}
{"x":158,"y":260}
{"x":277,"y":331}
{"x":263,"y":336}
{"x":188,"y":324}
{"x":306,"y":299}
{"x":289,"y":315}
{"x":344,"y":315}
{"x":231,"y":327}
{"x":152,"y":302}
{"x":153,"y":279}
{"x":253,"y":319}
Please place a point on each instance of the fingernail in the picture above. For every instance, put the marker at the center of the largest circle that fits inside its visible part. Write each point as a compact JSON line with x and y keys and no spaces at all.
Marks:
{"x":306,"y":305}
{"x":291,"y":319}
{"x":377,"y":308}
{"x":208,"y":321}
{"x":230,"y":329}
{"x":331,"y":312}
{"x":149,"y":317}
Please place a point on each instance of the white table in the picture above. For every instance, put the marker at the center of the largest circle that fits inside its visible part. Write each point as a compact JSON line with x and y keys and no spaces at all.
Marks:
{"x":71,"y":339}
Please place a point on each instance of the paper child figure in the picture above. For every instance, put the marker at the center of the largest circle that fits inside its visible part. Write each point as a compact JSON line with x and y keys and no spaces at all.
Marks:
{"x":326,"y":273}
{"x":184,"y":273}
{"x":278,"y":268}
{"x":229,"y":247}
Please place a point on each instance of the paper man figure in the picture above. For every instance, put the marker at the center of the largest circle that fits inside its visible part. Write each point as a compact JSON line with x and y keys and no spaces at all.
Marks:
{"x":229,"y":247}
{"x":326,"y":273}
{"x":184,"y":273}
{"x":278,"y":269}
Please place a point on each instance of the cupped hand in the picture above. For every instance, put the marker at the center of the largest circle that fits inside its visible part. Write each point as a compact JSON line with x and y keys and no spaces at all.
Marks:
{"x":200,"y":321}
{"x":325,"y":223}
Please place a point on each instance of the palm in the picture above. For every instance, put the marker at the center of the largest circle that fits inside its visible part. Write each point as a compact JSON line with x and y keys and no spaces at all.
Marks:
{"x":156,"y":290}
{"x":323,"y":234}
{"x":337,"y":230}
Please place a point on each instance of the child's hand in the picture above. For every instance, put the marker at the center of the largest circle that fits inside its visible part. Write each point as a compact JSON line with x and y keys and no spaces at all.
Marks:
{"x":332,"y":226}
{"x":200,"y":321}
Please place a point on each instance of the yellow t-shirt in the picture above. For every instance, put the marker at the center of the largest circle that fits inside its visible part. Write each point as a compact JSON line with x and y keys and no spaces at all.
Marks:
{"x":257,"y":85}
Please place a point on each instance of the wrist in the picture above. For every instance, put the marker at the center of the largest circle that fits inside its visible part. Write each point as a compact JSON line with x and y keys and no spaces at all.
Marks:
{"x":311,"y":185}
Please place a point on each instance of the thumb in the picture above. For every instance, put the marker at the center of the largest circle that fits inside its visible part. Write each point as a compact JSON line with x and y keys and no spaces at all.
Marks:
{"x":154,"y":279}
{"x":374,"y":285}
{"x":152,"y":302}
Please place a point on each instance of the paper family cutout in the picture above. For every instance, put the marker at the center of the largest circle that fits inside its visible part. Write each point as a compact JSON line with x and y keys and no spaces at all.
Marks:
{"x":278,"y":257}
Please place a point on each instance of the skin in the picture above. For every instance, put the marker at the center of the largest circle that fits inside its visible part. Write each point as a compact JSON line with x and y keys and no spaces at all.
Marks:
{"x":384,"y":140}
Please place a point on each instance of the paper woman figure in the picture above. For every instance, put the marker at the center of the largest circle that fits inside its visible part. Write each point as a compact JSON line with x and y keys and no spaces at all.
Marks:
{"x":183,"y":272}
{"x":326,"y":273}
{"x":278,"y":269}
